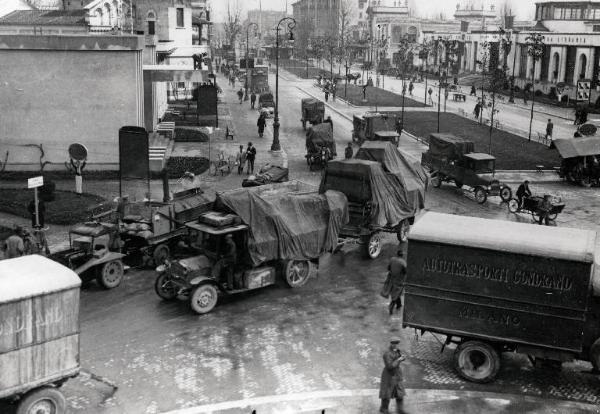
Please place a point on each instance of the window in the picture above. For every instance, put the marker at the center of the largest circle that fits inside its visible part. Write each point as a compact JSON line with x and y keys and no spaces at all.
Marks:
{"x":596,"y":28}
{"x":180,"y":22}
{"x":151,"y":27}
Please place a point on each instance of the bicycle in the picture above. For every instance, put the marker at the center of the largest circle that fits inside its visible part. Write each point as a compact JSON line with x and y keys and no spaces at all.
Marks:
{"x":222,"y":164}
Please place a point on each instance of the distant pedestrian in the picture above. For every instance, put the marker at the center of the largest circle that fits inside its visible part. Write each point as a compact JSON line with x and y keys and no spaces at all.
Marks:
{"x":364,"y":92}
{"x":233,"y":81}
{"x":252,"y":100}
{"x":549,"y":129}
{"x":13,"y":246}
{"x":326,"y":95}
{"x":394,"y":283}
{"x":348,"y":152}
{"x":473,"y":91}
{"x":240,"y":95}
{"x":430,"y":92}
{"x":410,"y":88}
{"x":333,"y":92}
{"x":261,"y":124}
{"x":391,"y":378}
{"x":377,"y":81}
{"x":240,"y":159}
{"x":477,"y":110}
{"x":250,"y":157}
{"x":525,"y":93}
{"x":41,"y":212}
{"x":403,"y":89}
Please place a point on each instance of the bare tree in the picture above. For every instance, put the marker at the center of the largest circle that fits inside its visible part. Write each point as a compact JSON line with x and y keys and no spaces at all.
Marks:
{"x":233,"y":25}
{"x":345,"y":16}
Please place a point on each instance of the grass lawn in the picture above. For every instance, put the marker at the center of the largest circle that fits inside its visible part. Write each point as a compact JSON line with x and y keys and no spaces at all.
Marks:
{"x":67,"y":207}
{"x":511,"y":152}
{"x":300,"y":71}
{"x":376,"y":95}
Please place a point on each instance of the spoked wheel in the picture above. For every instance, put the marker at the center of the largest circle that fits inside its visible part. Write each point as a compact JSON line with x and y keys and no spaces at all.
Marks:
{"x":505,"y":194}
{"x":513,"y":205}
{"x":403,"y":231}
{"x":480,"y":195}
{"x":45,"y":400}
{"x":111,"y":274}
{"x":297,"y":272}
{"x":373,"y":246}
{"x":204,"y":298}
{"x":477,"y":361}
{"x":161,"y":254}
{"x":552,"y":216}
{"x":164,"y":288}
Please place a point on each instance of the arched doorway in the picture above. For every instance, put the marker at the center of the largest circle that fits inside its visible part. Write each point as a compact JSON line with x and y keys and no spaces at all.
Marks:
{"x":582,"y":66}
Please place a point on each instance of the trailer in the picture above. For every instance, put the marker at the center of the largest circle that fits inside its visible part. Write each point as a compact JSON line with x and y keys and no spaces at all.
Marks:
{"x":494,"y":286}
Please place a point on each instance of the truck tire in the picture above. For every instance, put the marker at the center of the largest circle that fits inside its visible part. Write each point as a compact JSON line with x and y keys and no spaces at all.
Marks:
{"x":204,"y":298}
{"x":111,"y":274}
{"x":403,"y":231}
{"x":373,"y":245}
{"x":296,"y":272}
{"x":477,"y":361}
{"x":43,"y":400}
{"x":595,"y":355}
{"x":505,"y":194}
{"x":161,"y":254}
{"x":164,"y":288}
{"x":480,"y":195}
{"x":513,"y":205}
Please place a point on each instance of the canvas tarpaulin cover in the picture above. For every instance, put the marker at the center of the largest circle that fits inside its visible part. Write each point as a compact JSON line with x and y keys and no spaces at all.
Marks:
{"x":390,"y":203}
{"x":578,"y":147}
{"x":449,"y":146}
{"x":288,"y":220}
{"x":318,"y":136}
{"x":313,"y":105}
{"x":407,"y":169}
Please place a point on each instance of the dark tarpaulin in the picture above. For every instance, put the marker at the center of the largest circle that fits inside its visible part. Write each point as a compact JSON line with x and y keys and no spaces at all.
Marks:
{"x":449,"y":146}
{"x":313,"y":105}
{"x":578,"y":147}
{"x":288,"y":220}
{"x":390,"y":203}
{"x":318,"y":136}
{"x":407,"y":169}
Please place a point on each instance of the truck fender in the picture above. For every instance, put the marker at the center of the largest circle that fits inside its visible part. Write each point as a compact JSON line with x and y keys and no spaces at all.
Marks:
{"x":108,"y":257}
{"x":198,"y":280}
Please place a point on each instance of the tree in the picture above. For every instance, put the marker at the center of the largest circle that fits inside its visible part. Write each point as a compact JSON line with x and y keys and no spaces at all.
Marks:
{"x":345,"y":15}
{"x":233,"y":25}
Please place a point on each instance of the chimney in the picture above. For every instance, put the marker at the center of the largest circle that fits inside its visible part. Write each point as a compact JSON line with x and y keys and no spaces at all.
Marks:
{"x":509,"y":22}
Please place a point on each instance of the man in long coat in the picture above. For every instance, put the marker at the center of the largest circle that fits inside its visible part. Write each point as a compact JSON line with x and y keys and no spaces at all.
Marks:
{"x":391,"y":378}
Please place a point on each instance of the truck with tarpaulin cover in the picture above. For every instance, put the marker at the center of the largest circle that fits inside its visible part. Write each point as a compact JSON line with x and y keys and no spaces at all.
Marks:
{"x":385,"y":190}
{"x":313,"y":111}
{"x":452,"y":158}
{"x":258,"y":79}
{"x":320,"y":145}
{"x":367,"y":125}
{"x":493,"y":286}
{"x":580,"y":160}
{"x":251,"y":236}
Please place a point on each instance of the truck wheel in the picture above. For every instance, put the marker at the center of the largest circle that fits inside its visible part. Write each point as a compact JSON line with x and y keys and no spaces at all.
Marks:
{"x":595,"y":355}
{"x":204,"y":298}
{"x":403,"y":231}
{"x":373,"y":246}
{"x":296,"y":272}
{"x":480,"y":195}
{"x":43,"y":400}
{"x":161,"y":254}
{"x":164,"y":288}
{"x":111,"y":274}
{"x":458,"y":184}
{"x":436,"y":180}
{"x":513,"y":205}
{"x":477,"y":361}
{"x":505,"y":194}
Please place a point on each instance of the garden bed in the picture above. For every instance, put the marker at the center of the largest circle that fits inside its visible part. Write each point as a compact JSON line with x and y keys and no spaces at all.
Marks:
{"x":177,"y":166}
{"x":511,"y":151}
{"x":67,"y":207}
{"x":375,"y":96}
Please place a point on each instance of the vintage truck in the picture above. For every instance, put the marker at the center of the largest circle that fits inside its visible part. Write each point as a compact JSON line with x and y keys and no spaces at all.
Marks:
{"x":452,"y":158}
{"x":580,"y":160}
{"x":367,"y":125}
{"x":494,"y":286}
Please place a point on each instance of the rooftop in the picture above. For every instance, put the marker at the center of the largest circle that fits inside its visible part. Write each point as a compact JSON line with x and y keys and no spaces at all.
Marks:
{"x":45,"y":18}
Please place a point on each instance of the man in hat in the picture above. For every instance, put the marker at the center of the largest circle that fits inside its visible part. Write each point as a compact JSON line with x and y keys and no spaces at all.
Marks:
{"x":391,"y":378}
{"x":14,"y":246}
{"x":397,"y":275}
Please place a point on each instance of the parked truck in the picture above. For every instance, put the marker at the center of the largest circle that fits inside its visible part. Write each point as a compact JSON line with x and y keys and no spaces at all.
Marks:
{"x":493,"y":286}
{"x":258,"y":79}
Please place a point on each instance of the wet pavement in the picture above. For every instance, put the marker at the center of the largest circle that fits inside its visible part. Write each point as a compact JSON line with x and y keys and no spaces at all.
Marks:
{"x":281,"y":350}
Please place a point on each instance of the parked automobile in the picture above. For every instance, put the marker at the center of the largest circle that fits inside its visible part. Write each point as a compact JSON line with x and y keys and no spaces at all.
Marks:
{"x":452,"y":159}
{"x":492,"y":286}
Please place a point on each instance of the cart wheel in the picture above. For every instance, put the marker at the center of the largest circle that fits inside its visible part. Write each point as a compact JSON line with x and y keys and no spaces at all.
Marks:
{"x":403,"y":232}
{"x":45,"y":400}
{"x":458,"y":184}
{"x":373,"y":246}
{"x":505,"y":194}
{"x":513,"y":205}
{"x":204,"y":298}
{"x":595,"y":355}
{"x":480,"y":195}
{"x":552,"y":216}
{"x":111,"y":274}
{"x":297,"y":272}
{"x":161,"y":254}
{"x":586,"y":182}
{"x":477,"y":361}
{"x":436,"y":180}
{"x":164,"y":288}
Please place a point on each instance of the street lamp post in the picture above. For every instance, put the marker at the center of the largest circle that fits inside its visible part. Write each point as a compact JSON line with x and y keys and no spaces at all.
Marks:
{"x":248,"y":66}
{"x":276,"y":146}
{"x":535,"y":49}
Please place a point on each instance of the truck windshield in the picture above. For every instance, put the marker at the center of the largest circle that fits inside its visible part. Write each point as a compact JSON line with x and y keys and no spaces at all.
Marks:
{"x":485,"y":167}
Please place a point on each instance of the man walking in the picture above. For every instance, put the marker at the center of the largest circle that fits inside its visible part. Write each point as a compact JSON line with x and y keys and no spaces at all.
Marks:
{"x":549,"y":129}
{"x":240,"y":159}
{"x":477,"y":109}
{"x":252,"y":100}
{"x":326,"y":94}
{"x":410,"y":88}
{"x":348,"y":152}
{"x":14,"y":246}
{"x":240,"y":95}
{"x":391,"y":378}
{"x":250,"y":156}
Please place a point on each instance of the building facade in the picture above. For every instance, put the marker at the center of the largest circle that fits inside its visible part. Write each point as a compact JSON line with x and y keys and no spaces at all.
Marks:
{"x":320,"y":16}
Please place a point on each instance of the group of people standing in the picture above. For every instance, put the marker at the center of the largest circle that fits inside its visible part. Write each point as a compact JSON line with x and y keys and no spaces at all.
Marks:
{"x":246,"y":157}
{"x":23,"y":242}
